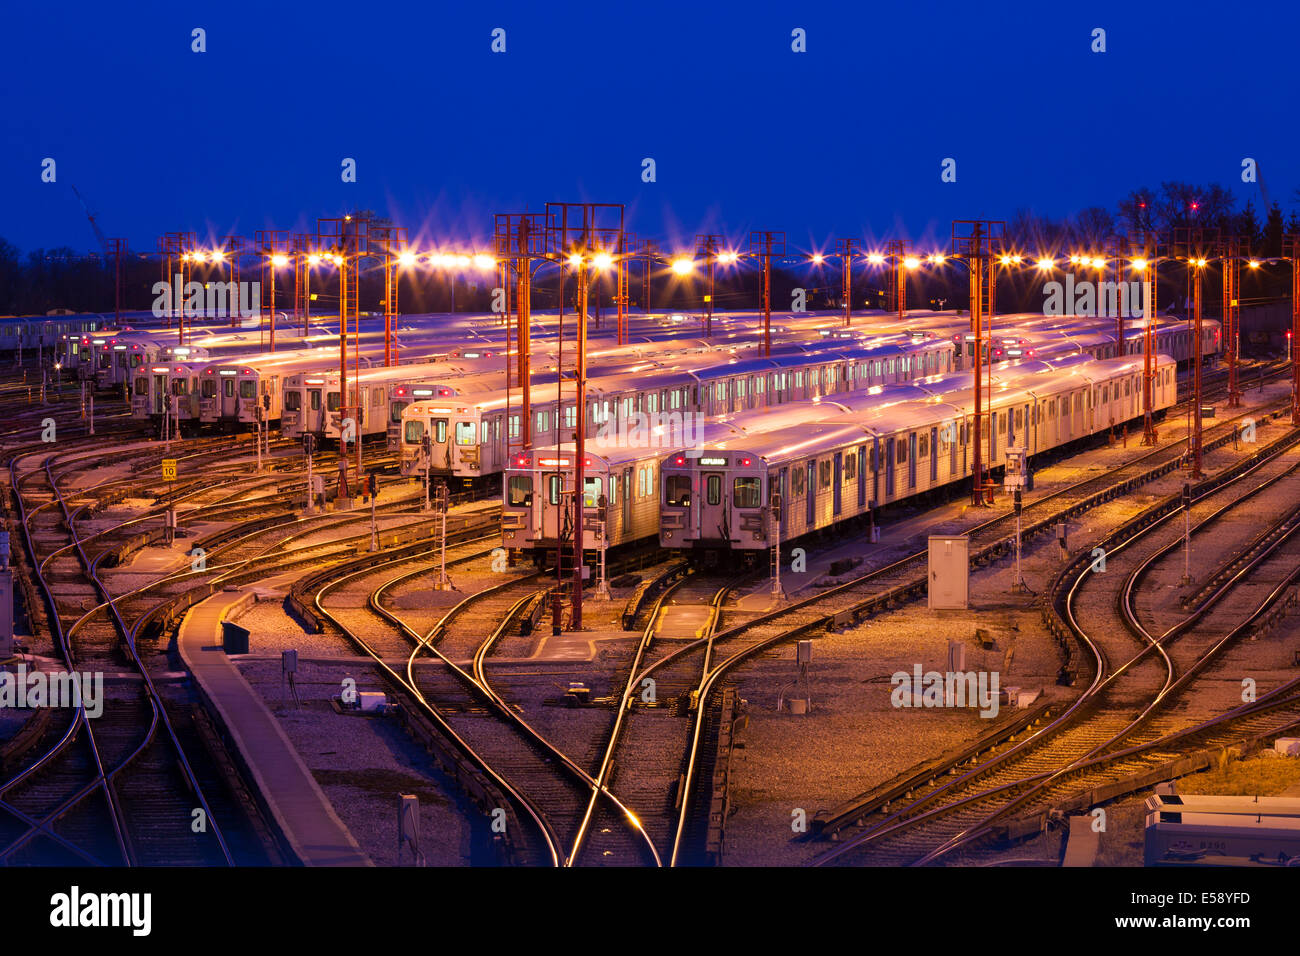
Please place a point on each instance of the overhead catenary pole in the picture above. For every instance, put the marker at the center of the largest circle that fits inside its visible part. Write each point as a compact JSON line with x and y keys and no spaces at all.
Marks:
{"x":1230,"y":250}
{"x":1149,"y":434}
{"x":1197,"y":450}
{"x":1291,"y":248}
{"x":845,"y":251}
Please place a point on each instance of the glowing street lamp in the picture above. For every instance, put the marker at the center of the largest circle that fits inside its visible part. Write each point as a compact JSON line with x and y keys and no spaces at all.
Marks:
{"x":1046,"y":265}
{"x":683,"y":267}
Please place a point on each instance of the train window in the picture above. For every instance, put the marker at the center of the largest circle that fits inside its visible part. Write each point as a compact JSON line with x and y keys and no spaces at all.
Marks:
{"x":720,"y":391}
{"x":798,"y":379}
{"x":292,"y":401}
{"x":901,"y":445}
{"x":824,"y":474}
{"x":464,"y":433}
{"x":713,"y":490}
{"x":314,"y":396}
{"x":440,"y":430}
{"x":796,"y":482}
{"x":1127,"y":387}
{"x":553,"y":489}
{"x":1105,"y":394}
{"x":514,"y":426}
{"x":142,"y":386}
{"x":676,"y":397}
{"x":677,"y":490}
{"x":377,"y":396}
{"x":178,"y":387}
{"x":228,"y":387}
{"x":519,"y":487}
{"x":851,"y":466}
{"x":745,"y":493}
{"x":1020,"y":418}
{"x":590,"y":492}
{"x":496,"y":429}
{"x":136,"y":359}
{"x":740,"y":388}
{"x":543,"y":421}
{"x":570,"y":416}
{"x":394,"y":410}
{"x":414,"y":433}
{"x":923,"y":447}
{"x":652,"y":402}
{"x":484,"y":431}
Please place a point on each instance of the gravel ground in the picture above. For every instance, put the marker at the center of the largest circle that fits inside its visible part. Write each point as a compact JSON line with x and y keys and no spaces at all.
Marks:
{"x":363,"y":763}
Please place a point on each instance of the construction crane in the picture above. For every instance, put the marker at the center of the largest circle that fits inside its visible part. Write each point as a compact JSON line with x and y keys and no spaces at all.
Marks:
{"x":99,"y":233}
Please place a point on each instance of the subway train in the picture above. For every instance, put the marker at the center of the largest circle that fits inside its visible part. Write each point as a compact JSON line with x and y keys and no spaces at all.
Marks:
{"x":616,"y":403}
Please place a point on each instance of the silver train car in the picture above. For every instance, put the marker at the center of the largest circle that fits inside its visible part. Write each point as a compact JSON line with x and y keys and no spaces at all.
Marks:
{"x":736,"y":495}
{"x":617,"y":403}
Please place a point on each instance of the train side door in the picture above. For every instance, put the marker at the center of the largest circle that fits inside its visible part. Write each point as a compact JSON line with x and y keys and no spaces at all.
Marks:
{"x":838,"y":487}
{"x":782,"y":484}
{"x":159,"y":393}
{"x":912,"y":462}
{"x":713,"y":508}
{"x":934,"y":455}
{"x":810,"y":485}
{"x":875,"y":471}
{"x":889,"y":468}
{"x":625,"y":497}
{"x":862,"y":476}
{"x":993,"y":439}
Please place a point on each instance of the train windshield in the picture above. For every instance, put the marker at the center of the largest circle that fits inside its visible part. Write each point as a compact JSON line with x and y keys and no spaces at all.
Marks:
{"x":248,"y":388}
{"x":745,"y":493}
{"x":395,"y":411}
{"x":209,"y":388}
{"x":414,"y":433}
{"x":331,"y":401}
{"x":142,"y":386}
{"x":590,"y":491}
{"x":464,"y":433}
{"x":677,"y":490}
{"x":520,"y":487}
{"x":292,"y":400}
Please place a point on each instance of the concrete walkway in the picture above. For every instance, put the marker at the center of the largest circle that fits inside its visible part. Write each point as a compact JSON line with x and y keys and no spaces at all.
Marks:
{"x":301,"y":810}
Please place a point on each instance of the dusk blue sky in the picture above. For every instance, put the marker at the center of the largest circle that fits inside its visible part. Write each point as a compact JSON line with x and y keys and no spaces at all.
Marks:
{"x":845,"y":139}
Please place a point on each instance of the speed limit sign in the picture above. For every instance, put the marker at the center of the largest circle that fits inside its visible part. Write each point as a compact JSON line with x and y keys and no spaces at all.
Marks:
{"x":169,"y":469}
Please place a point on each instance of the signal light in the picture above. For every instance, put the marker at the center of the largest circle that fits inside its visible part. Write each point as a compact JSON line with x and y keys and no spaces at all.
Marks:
{"x":744,"y":463}
{"x":681,"y":459}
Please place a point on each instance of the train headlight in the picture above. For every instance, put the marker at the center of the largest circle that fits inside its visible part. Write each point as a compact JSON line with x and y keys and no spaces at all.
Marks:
{"x":668,"y":535}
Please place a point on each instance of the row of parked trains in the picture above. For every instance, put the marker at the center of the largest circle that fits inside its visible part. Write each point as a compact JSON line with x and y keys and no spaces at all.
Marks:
{"x":743,"y":482}
{"x":710,"y":445}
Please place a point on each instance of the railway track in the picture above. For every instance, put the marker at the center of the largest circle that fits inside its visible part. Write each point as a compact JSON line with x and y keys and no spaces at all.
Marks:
{"x":146,"y":794}
{"x":1133,"y":676}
